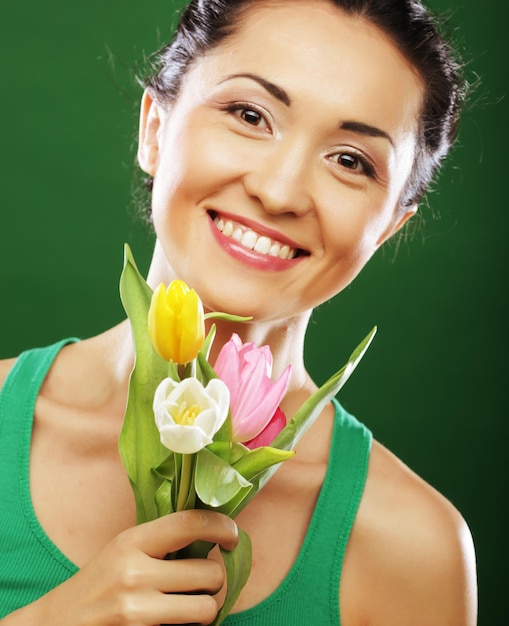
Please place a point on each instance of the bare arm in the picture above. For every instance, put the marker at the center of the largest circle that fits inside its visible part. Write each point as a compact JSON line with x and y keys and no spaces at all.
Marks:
{"x":431,"y":572}
{"x":130,"y":583}
{"x":411,"y":558}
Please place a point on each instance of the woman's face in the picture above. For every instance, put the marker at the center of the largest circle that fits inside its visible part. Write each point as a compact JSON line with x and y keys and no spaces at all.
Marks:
{"x":278,"y":170}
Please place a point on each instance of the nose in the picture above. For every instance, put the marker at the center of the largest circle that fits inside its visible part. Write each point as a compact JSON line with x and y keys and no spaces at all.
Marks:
{"x":280,"y":179}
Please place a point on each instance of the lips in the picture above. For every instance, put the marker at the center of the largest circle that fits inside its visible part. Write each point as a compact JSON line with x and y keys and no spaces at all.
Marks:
{"x":251,"y":240}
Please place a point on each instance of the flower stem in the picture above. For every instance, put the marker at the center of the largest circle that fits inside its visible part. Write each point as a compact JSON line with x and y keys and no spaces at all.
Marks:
{"x":185,"y":480}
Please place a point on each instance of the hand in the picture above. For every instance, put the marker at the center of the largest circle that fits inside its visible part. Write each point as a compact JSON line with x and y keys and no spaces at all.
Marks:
{"x":130,"y":584}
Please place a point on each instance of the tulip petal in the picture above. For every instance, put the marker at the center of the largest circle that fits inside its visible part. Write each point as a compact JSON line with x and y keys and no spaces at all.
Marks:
{"x":262,"y":410}
{"x":254,"y":382}
{"x":218,"y":391}
{"x":227,"y":367}
{"x":161,"y":321}
{"x":254,"y":397}
{"x":184,"y":439}
{"x":270,"y":432}
{"x":176,"y":322}
{"x":192,"y":327}
{"x":188,"y":415}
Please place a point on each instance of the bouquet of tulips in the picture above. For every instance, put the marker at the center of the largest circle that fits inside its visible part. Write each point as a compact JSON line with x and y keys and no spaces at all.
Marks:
{"x":201,"y":436}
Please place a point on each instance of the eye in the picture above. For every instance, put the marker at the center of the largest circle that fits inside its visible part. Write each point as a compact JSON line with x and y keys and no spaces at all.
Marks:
{"x":250,"y":115}
{"x":353,"y":162}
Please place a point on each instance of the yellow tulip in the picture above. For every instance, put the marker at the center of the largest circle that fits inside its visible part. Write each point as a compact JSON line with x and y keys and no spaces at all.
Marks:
{"x":176,"y":322}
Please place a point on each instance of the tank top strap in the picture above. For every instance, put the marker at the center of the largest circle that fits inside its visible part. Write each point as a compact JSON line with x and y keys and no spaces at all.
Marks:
{"x":31,"y":564}
{"x":23,"y":383}
{"x":310,"y":592}
{"x":339,"y":501}
{"x":335,"y":512}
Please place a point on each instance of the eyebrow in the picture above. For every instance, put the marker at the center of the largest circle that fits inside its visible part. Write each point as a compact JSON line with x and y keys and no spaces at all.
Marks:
{"x":278,"y":93}
{"x":366,"y":129}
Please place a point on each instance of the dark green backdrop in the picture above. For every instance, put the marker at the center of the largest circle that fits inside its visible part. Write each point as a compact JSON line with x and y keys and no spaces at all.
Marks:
{"x":431,"y":386}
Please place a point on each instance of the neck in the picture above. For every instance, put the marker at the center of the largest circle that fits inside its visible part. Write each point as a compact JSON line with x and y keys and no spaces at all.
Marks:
{"x":285,"y":340}
{"x":285,"y":337}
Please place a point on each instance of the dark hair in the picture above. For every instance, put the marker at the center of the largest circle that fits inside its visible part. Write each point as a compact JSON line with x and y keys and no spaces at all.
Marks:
{"x":206,"y":23}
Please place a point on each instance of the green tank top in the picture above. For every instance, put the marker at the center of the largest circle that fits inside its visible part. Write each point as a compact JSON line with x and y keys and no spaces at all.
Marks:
{"x":31,"y":564}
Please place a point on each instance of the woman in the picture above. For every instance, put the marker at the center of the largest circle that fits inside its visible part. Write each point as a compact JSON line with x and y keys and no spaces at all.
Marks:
{"x":286,"y":141}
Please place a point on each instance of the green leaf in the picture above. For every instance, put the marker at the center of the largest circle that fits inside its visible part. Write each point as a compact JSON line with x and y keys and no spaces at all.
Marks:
{"x":163,"y":498}
{"x":216,"y":481}
{"x":222,"y":449}
{"x":254,"y":461}
{"x":311,"y":409}
{"x":173,"y":371}
{"x":207,"y":344}
{"x":139,"y":442}
{"x":238,"y":450}
{"x":224,"y":434}
{"x":207,"y":371}
{"x":190,"y":502}
{"x":253,"y":468}
{"x":190,"y":369}
{"x":169,"y":467}
{"x":238,"y":567}
{"x":229,"y":317}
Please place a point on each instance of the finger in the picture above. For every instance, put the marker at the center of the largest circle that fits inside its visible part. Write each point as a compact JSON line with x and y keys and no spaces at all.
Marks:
{"x":160,"y":608}
{"x":184,"y":609}
{"x":177,"y":530}
{"x":191,"y":575}
{"x":179,"y":576}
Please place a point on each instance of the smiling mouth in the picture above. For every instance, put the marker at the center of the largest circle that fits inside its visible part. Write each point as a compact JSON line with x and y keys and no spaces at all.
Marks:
{"x":252,"y":240}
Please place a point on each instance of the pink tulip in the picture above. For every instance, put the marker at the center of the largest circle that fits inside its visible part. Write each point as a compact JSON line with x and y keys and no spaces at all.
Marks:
{"x":270,"y":432}
{"x":254,"y":397}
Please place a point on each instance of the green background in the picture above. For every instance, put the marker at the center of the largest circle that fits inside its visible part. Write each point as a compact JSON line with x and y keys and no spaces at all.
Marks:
{"x":431,"y":386}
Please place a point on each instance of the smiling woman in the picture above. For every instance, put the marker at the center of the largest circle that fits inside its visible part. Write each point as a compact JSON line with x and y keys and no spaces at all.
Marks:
{"x":328,"y":185}
{"x":277,"y":172}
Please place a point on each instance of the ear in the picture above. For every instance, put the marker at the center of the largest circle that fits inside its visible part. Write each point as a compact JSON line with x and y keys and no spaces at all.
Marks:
{"x":397,"y":224}
{"x":149,"y":131}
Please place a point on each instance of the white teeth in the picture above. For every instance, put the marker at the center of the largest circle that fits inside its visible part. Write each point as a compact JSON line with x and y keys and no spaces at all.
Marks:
{"x":274,"y":249}
{"x":237,"y":234}
{"x":263,"y":245}
{"x":227,"y":228}
{"x":249,"y":239}
{"x":285,"y":252}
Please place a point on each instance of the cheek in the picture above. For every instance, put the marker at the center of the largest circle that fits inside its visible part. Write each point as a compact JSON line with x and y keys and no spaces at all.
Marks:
{"x":353,"y":226}
{"x":177,"y":185}
{"x":352,"y":239}
{"x":192,"y":166}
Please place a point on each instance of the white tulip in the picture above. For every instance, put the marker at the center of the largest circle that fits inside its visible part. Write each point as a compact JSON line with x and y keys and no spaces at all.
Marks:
{"x":188,"y":415}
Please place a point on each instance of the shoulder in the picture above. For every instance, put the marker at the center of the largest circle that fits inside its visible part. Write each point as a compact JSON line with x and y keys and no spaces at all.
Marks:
{"x":78,"y":369}
{"x":5,"y":368}
{"x":412,"y":548}
{"x":6,"y":365}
